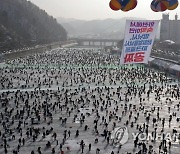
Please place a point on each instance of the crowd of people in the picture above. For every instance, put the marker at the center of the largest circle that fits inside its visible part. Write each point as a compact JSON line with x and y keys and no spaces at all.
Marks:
{"x":72,"y":100}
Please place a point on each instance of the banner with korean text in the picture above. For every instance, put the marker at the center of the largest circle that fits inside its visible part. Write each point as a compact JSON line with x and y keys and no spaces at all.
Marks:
{"x":138,"y":41}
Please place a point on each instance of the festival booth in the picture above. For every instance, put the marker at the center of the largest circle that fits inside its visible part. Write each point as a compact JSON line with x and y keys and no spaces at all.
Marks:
{"x":175,"y":70}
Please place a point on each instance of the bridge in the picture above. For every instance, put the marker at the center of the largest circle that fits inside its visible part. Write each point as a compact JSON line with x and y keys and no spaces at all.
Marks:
{"x":96,"y":42}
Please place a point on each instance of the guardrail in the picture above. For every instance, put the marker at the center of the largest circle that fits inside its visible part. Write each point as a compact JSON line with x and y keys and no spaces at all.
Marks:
{"x":173,"y":59}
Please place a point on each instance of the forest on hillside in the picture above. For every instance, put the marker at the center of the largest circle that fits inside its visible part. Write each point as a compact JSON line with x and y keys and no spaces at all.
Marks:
{"x":24,"y":24}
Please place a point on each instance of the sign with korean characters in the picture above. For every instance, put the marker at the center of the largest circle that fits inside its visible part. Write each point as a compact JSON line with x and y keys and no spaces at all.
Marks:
{"x":138,"y":41}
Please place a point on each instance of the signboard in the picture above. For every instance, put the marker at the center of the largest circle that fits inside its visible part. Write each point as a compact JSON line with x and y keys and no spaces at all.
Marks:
{"x":138,"y":41}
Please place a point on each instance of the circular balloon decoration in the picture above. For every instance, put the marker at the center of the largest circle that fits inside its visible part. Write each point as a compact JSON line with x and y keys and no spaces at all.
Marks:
{"x":156,"y":5}
{"x":134,"y":5}
{"x":124,"y":5}
{"x":115,"y":5}
{"x":153,"y":6}
{"x":130,"y":5}
{"x":162,"y":6}
{"x":173,"y":4}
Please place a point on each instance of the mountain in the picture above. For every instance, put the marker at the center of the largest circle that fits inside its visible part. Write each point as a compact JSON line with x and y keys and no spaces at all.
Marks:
{"x":111,"y":28}
{"x":107,"y":28}
{"x":24,"y":24}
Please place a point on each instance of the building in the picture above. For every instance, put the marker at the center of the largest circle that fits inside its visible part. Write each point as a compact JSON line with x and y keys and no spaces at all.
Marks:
{"x":170,"y":29}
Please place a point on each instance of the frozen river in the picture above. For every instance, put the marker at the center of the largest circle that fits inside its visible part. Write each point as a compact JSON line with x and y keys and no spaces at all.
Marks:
{"x":47,"y":97}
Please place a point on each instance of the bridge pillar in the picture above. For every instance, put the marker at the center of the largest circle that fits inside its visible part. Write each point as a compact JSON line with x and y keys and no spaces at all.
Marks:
{"x":93,"y":43}
{"x":80,"y":43}
{"x":101,"y":42}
